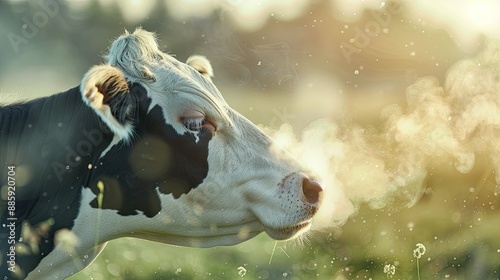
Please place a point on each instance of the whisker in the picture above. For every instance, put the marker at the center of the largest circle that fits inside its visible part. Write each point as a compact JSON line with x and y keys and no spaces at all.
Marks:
{"x":286,"y":254}
{"x":272,"y":253}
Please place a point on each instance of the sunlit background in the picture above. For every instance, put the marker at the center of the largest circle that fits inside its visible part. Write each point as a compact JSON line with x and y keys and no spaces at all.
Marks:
{"x":395,"y":104}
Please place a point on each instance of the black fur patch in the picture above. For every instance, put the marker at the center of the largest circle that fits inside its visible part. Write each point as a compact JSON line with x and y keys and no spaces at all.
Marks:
{"x":55,"y":138}
{"x":158,"y":160}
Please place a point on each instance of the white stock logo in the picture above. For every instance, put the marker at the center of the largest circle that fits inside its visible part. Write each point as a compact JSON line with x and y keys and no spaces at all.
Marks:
{"x":31,"y":25}
{"x":363,"y":36}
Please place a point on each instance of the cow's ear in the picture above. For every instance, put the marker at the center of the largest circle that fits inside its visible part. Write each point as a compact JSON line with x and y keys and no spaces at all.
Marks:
{"x":201,"y":64}
{"x":105,"y":89}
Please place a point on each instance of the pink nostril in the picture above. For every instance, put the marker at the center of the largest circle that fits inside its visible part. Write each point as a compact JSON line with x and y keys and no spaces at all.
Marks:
{"x":313,"y":192}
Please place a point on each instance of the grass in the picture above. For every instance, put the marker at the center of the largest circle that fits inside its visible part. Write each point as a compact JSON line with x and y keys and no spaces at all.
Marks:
{"x":100,"y":197}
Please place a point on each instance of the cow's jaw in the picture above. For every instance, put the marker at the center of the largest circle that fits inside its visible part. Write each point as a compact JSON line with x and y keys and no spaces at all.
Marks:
{"x":184,"y":221}
{"x":288,"y":232}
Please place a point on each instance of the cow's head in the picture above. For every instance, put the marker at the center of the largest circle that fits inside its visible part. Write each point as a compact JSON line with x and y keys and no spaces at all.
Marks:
{"x":184,"y":168}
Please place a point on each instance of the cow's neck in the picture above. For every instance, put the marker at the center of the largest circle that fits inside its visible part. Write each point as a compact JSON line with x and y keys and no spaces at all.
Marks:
{"x":53,"y":144}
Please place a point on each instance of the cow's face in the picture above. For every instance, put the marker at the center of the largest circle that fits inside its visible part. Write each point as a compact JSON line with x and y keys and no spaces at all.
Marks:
{"x":186,"y":168}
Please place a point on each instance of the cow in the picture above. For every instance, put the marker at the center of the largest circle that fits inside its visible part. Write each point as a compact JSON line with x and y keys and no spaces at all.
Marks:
{"x":144,"y":147}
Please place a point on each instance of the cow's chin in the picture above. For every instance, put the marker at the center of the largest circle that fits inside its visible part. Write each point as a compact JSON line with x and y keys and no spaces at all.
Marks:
{"x":288,"y":232}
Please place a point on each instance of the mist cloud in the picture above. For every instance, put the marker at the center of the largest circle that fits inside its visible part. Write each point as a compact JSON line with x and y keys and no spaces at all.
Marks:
{"x":454,"y":122}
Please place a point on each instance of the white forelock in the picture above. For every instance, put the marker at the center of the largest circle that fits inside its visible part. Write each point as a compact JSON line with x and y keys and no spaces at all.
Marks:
{"x":138,"y":56}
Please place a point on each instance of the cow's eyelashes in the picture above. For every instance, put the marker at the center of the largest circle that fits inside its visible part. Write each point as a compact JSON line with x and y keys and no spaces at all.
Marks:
{"x":194,"y":124}
{"x":197,"y":124}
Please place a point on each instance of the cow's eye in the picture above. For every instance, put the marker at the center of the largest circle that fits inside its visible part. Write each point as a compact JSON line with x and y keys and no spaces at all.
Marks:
{"x":193,"y":124}
{"x":198,"y":124}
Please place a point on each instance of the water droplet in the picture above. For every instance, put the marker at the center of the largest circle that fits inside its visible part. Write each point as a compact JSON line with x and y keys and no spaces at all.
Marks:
{"x":356,"y":72}
{"x":410,"y":226}
{"x":242,"y":271}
